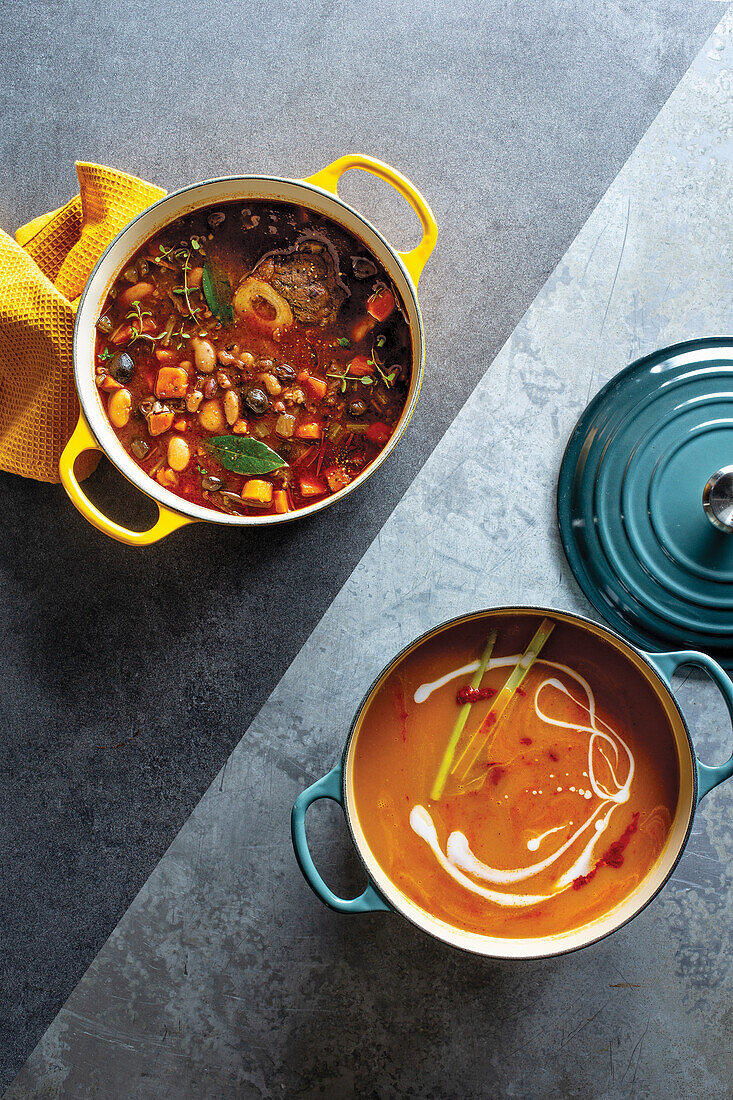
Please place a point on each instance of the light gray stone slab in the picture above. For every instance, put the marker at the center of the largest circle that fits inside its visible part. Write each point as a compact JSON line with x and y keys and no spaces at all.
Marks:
{"x":226,"y":977}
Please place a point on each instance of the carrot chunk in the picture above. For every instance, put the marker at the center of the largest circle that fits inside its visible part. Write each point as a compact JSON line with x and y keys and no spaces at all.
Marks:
{"x":310,"y":429}
{"x":281,"y":502}
{"x":159,"y":422}
{"x":381,"y":303}
{"x":316,"y":388}
{"x":257,"y":491}
{"x":311,"y":486}
{"x":171,"y":382}
{"x":166,"y":355}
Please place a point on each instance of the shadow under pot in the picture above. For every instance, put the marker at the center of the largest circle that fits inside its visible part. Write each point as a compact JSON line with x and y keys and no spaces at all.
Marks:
{"x":518,"y":782}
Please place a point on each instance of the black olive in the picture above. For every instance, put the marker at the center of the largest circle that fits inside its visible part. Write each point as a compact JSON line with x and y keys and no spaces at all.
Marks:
{"x":139,"y":448}
{"x":211,"y":483}
{"x":104,"y":324}
{"x":121,"y":367}
{"x":284,"y":372}
{"x":363,"y":268}
{"x":143,"y":267}
{"x":257,"y":401}
{"x":130,"y":274}
{"x":357,"y":408}
{"x":217,"y":218}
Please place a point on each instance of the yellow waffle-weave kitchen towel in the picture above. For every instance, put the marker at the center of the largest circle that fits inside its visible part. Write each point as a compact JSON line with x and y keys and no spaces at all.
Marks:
{"x":42,"y":274}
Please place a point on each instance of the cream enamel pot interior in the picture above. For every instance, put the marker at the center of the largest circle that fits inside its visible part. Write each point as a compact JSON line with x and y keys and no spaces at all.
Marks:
{"x":695,"y":778}
{"x":317,"y":193}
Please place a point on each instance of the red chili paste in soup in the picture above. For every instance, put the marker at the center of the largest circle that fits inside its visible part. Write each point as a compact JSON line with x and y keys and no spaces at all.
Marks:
{"x":253,"y":358}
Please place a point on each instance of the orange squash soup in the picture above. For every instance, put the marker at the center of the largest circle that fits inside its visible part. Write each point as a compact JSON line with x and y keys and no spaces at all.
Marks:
{"x":523,"y":800}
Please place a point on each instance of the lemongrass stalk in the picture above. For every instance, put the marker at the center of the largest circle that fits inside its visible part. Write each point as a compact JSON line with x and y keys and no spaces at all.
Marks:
{"x":478,"y":676}
{"x":490,"y":723}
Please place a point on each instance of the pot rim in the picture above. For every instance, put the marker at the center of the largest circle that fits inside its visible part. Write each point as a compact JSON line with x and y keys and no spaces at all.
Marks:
{"x":147,"y":484}
{"x":652,"y":674}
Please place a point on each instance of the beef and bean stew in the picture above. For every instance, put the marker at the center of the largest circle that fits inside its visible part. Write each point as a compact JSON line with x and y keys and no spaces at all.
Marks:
{"x":254,"y":358}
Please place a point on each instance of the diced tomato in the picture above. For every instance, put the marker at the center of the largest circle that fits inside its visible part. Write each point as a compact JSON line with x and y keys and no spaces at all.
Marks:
{"x":316,"y":388}
{"x":311,"y":486}
{"x":381,"y":303}
{"x":378,"y":432}
{"x":171,"y":382}
{"x":336,"y":477}
{"x":310,"y":429}
{"x":361,"y":328}
{"x":361,"y":365}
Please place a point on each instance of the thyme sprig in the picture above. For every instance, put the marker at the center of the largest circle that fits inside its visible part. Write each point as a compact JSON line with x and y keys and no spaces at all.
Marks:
{"x":182,"y":255}
{"x":137,"y":316}
{"x":347,"y":377}
{"x":378,"y":364}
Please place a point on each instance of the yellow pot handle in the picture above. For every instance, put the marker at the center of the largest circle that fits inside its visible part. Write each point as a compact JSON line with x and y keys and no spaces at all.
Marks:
{"x":82,"y":440}
{"x":329,"y":177}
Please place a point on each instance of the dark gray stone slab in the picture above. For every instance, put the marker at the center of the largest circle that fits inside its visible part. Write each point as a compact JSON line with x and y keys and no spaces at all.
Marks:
{"x":128,"y":676}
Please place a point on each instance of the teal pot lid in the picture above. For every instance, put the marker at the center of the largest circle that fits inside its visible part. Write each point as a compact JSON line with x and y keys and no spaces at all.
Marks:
{"x":630,"y":500}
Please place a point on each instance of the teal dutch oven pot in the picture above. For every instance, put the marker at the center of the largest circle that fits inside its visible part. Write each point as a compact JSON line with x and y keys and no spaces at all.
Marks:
{"x":696,"y":780}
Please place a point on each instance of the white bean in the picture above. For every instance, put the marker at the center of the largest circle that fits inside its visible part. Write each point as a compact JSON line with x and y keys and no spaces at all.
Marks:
{"x":119,"y":408}
{"x":179,"y":453}
{"x":272,"y":385}
{"x":211,"y":416}
{"x":204,"y":354}
{"x":232,"y":406}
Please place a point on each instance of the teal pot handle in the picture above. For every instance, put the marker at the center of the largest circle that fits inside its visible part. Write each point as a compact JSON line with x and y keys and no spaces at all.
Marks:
{"x":666,"y":664}
{"x":330,"y":786}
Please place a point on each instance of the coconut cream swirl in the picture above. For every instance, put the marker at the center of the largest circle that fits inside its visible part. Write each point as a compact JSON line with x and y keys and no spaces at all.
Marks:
{"x":460,"y":862}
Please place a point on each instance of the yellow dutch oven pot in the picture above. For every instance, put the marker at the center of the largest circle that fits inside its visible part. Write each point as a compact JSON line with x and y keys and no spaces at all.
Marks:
{"x":317,"y":193}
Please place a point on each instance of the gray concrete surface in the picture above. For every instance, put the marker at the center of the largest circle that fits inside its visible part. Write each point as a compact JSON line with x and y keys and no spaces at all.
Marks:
{"x":513,"y":116}
{"x":226,"y":977}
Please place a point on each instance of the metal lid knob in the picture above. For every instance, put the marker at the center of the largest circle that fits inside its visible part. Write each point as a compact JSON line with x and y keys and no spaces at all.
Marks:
{"x":717,"y":500}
